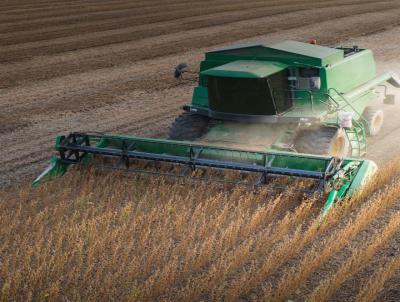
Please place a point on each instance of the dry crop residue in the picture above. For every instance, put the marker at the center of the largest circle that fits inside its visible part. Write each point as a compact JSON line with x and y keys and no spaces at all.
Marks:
{"x":92,"y":236}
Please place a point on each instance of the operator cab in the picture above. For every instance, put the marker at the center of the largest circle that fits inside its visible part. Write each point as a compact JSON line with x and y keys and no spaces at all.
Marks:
{"x":248,"y":88}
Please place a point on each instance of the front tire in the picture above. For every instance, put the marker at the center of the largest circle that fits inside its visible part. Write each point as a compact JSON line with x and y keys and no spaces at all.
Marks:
{"x":189,"y":126}
{"x":374,"y":119}
{"x":324,"y":141}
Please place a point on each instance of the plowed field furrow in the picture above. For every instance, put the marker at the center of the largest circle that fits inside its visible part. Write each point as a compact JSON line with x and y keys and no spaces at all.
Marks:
{"x":143,"y":112}
{"x":87,"y":10}
{"x":26,"y":50}
{"x":128,"y":24}
{"x":83,"y":10}
{"x":104,"y":57}
{"x":10,"y":4}
{"x":31,"y":164}
{"x":41,"y":150}
{"x":156,"y":15}
{"x":135,"y":20}
{"x":38,"y":5}
{"x":31,"y":10}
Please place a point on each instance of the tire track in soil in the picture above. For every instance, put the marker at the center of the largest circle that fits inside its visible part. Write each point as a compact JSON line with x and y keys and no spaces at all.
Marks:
{"x":25,"y":36}
{"x":31,"y":5}
{"x":85,"y":10}
{"x":151,"y":17}
{"x":31,"y":11}
{"x":38,"y":5}
{"x":25,"y":51}
{"x":110,"y":56}
{"x":57,"y":31}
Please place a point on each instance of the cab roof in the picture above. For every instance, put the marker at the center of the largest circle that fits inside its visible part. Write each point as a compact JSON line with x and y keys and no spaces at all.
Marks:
{"x":288,"y":52}
{"x":245,"y":69}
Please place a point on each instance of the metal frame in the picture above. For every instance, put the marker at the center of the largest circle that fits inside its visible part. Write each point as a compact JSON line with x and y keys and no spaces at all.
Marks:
{"x":76,"y":146}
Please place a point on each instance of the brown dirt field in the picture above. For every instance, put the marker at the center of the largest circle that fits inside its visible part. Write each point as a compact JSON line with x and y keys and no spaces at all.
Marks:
{"x":80,"y":76}
{"x":94,"y":66}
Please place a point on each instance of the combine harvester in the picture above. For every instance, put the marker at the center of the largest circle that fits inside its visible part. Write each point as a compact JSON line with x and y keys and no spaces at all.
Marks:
{"x":289,"y":109}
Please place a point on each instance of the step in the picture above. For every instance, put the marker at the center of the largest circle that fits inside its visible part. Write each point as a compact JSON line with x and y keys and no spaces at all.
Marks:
{"x":361,"y":146}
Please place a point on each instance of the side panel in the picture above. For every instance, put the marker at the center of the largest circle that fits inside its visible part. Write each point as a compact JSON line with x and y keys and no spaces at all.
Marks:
{"x":367,"y":171}
{"x":353,"y":71}
{"x":200,"y":97}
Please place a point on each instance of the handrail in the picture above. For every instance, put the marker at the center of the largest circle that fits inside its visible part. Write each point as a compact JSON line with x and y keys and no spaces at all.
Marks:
{"x":333,"y":100}
{"x":350,"y":105}
{"x":346,"y":101}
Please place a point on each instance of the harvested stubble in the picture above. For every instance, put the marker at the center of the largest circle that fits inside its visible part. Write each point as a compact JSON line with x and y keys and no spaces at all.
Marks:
{"x":93,"y":237}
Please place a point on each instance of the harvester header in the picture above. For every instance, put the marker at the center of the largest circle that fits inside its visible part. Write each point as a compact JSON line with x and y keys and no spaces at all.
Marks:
{"x":336,"y":177}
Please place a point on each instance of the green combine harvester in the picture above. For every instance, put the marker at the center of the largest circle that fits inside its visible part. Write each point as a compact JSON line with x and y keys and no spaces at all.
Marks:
{"x":288,"y":109}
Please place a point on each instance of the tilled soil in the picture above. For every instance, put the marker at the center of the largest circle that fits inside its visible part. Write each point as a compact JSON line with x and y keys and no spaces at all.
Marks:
{"x":91,"y":65}
{"x":108,"y":67}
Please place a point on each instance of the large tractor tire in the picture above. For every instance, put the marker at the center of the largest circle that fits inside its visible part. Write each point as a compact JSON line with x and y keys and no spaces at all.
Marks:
{"x":189,"y":126}
{"x":374,"y":120}
{"x":324,"y":140}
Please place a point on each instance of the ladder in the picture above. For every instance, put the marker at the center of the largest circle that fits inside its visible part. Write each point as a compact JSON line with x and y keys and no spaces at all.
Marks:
{"x":356,"y":134}
{"x":357,"y":138}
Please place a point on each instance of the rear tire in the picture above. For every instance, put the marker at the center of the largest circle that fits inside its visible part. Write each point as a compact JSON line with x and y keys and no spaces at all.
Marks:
{"x":189,"y":126}
{"x":324,"y":141}
{"x":374,"y":119}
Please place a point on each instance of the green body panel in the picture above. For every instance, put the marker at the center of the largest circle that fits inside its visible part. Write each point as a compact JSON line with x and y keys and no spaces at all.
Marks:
{"x":340,"y":75}
{"x":287,"y":52}
{"x":308,"y":53}
{"x":182,"y":148}
{"x":367,"y":170}
{"x":200,"y":97}
{"x":280,"y":159}
{"x":245,"y":69}
{"x":350,"y":72}
{"x":54,"y":169}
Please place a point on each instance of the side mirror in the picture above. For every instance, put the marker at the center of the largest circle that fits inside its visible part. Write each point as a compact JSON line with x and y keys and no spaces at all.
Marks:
{"x":390,"y":99}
